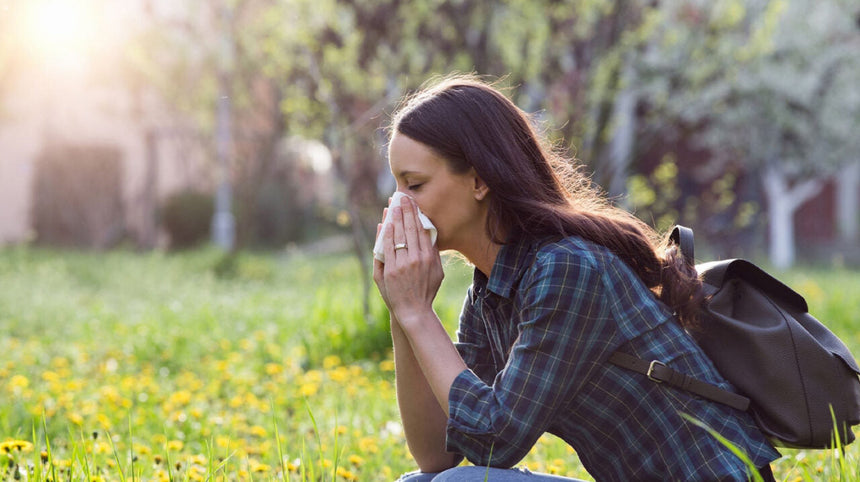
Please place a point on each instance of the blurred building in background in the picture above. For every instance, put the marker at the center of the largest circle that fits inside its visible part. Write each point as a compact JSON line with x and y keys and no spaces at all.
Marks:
{"x":76,"y":127}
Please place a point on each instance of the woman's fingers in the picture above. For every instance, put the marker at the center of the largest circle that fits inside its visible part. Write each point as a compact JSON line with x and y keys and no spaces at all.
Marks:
{"x":411,"y":225}
{"x":388,"y":239}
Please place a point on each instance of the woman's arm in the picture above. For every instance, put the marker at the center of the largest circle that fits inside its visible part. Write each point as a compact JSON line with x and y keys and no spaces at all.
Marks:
{"x":424,"y":421}
{"x":408,"y":282}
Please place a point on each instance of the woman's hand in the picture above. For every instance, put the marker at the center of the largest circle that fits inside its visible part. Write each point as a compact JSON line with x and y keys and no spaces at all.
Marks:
{"x":410,"y":277}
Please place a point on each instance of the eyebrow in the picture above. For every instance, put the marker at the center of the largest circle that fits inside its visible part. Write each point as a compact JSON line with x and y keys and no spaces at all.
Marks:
{"x":408,"y":173}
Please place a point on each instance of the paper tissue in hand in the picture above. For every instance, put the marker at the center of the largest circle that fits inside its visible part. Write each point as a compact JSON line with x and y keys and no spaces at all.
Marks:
{"x":378,"y":252}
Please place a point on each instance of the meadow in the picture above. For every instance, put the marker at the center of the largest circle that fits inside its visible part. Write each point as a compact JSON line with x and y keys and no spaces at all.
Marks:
{"x":198,"y":366}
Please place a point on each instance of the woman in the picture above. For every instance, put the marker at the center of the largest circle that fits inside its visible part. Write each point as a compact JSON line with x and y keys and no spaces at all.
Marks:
{"x":562,"y":280}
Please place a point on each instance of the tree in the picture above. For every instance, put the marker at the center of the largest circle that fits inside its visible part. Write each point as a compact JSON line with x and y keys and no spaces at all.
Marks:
{"x":777,"y":91}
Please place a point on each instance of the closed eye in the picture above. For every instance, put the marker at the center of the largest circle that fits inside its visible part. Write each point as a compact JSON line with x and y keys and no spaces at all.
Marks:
{"x":414,"y":187}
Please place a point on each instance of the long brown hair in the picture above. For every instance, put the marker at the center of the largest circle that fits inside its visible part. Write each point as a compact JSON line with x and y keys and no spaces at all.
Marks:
{"x":534,"y":189}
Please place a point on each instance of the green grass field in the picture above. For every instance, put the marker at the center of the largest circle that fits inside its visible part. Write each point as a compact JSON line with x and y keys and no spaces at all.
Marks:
{"x":190,"y":366}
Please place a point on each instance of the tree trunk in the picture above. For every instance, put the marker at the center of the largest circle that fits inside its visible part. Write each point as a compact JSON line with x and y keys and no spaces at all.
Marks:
{"x":848,"y":203}
{"x":623,"y":130}
{"x":782,"y":202}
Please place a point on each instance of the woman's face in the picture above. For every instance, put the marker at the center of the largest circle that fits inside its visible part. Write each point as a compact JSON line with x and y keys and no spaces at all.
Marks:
{"x":450,"y":200}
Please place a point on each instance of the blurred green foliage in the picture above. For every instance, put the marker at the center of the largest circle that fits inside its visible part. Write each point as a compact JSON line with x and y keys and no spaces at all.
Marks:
{"x":187,"y":217}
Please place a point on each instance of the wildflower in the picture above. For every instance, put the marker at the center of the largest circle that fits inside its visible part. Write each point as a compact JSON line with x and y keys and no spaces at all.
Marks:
{"x":346,"y":474}
{"x":259,"y":468}
{"x":331,"y":361}
{"x":368,"y":445}
{"x":355,"y":460}
{"x":294,"y":465}
{"x":50,"y":376}
{"x":196,"y":473}
{"x":10,"y":446}
{"x":198,"y":459}
{"x":386,"y":365}
{"x":142,"y":449}
{"x":158,"y":459}
{"x":19,"y":382}
{"x":175,"y":445}
{"x":308,"y":389}
{"x":339,"y":375}
{"x":274,"y":369}
{"x":258,"y":431}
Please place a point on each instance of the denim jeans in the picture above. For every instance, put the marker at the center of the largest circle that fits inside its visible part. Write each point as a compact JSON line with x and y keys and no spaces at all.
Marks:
{"x":471,"y":473}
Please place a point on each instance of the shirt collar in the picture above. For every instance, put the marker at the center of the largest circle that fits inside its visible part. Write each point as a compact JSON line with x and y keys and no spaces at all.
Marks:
{"x":510,"y":264}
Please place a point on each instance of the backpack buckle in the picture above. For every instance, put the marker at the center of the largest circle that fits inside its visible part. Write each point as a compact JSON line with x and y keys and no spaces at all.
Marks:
{"x":650,"y":373}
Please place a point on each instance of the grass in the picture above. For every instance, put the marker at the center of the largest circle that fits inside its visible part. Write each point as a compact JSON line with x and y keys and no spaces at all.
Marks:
{"x":124,"y":366}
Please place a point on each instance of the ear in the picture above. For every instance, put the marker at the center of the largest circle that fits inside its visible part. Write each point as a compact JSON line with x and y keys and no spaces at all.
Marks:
{"x":480,"y":188}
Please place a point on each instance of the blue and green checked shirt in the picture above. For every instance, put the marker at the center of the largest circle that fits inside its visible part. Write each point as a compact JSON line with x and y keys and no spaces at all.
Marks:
{"x":536,"y":337}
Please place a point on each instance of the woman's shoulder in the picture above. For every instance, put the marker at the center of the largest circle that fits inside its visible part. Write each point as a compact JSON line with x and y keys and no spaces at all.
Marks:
{"x":588,"y":259}
{"x":572,"y":249}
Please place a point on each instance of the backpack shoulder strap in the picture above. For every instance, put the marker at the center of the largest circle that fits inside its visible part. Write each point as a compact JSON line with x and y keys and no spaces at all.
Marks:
{"x":659,"y":372}
{"x":682,"y":236}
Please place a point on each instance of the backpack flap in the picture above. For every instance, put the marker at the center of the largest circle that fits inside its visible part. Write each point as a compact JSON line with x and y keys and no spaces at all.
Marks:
{"x":760,"y":337}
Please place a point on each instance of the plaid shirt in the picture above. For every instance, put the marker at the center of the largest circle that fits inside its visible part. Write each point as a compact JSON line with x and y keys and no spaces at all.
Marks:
{"x":536,"y":336}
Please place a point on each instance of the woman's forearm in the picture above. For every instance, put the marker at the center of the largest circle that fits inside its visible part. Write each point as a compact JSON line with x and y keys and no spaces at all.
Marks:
{"x":424,"y":421}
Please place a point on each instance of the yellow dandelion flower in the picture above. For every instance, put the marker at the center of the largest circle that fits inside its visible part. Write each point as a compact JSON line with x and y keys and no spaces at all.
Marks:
{"x":308,"y":389}
{"x":274,"y":369}
{"x":339,"y":375}
{"x":259,"y":468}
{"x":331,"y":361}
{"x":346,"y":474}
{"x":10,"y":446}
{"x":198,"y":459}
{"x":19,"y":382}
{"x":175,"y":445}
{"x":368,"y":445}
{"x":181,"y":397}
{"x":342,"y":429}
{"x":258,"y":431}
{"x":355,"y":460}
{"x":50,"y":376}
{"x":386,"y":365}
{"x":76,"y":418}
{"x":104,"y":422}
{"x":196,"y":473}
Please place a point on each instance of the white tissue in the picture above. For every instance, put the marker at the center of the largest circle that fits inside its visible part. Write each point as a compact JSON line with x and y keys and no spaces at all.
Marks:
{"x":378,"y":251}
